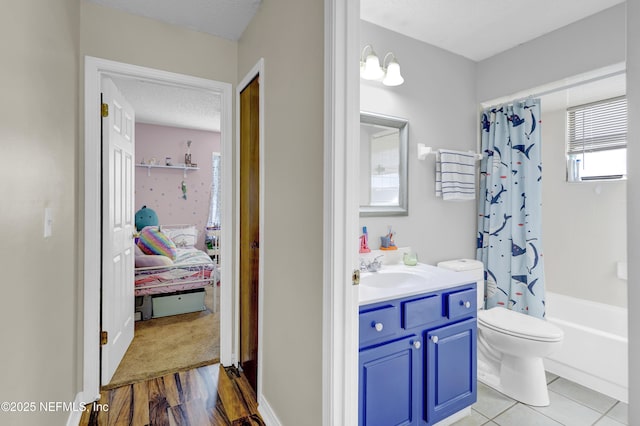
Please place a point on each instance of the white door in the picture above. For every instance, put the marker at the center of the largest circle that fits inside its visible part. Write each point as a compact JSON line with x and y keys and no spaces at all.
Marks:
{"x":118,"y":227}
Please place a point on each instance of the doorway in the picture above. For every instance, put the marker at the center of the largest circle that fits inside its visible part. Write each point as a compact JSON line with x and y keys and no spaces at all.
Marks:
{"x":95,"y":69}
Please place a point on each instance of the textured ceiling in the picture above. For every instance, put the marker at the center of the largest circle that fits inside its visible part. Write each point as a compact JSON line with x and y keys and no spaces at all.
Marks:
{"x":171,"y":106}
{"x":478,"y":29}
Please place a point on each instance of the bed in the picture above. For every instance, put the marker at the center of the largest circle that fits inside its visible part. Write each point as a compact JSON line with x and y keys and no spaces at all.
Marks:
{"x":177,"y":286}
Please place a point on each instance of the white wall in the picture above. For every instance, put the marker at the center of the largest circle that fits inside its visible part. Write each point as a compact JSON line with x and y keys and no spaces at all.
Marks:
{"x":438,"y":99}
{"x":591,"y":43}
{"x":290,"y":37}
{"x":109,"y":33}
{"x":39,"y":121}
{"x":584,"y":225}
{"x":633,"y":206}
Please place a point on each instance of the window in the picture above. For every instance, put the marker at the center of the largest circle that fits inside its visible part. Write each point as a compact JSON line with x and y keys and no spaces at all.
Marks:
{"x":597,"y":140}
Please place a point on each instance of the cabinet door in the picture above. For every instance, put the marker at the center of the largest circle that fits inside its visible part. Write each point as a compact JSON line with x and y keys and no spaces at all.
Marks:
{"x":390,"y":383}
{"x":451,"y":369}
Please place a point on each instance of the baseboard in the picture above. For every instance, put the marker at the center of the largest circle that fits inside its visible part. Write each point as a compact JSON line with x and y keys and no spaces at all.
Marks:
{"x":267,"y":413}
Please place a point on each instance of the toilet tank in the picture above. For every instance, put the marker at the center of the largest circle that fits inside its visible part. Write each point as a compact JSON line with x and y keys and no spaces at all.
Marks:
{"x":472,"y":267}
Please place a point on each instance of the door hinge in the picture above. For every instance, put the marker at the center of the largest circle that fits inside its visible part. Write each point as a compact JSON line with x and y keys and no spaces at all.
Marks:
{"x":104,"y":337}
{"x":105,"y":110}
{"x":355,"y":278}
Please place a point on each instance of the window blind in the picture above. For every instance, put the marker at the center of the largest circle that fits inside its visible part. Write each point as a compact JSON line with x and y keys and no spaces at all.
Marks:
{"x":597,"y":126}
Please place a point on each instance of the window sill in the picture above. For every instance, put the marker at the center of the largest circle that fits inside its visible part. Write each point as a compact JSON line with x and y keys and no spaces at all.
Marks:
{"x":599,"y":179}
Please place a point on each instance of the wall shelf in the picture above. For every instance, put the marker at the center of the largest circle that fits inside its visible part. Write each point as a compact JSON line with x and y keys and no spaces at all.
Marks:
{"x":182,"y":167}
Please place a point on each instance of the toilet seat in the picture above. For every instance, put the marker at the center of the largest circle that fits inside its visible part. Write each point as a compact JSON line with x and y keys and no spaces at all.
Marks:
{"x":519,"y":325}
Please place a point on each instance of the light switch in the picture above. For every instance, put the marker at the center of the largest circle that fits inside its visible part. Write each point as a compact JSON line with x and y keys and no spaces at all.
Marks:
{"x":48,"y":222}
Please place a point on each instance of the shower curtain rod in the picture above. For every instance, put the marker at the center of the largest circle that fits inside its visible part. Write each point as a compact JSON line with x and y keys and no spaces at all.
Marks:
{"x":558,"y":89}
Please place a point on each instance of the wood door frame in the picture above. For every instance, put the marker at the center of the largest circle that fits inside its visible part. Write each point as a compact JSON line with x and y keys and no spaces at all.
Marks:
{"x":256,"y":71}
{"x":95,"y":68}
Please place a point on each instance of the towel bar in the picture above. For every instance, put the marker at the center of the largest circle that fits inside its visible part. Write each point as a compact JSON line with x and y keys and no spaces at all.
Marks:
{"x":424,"y":151}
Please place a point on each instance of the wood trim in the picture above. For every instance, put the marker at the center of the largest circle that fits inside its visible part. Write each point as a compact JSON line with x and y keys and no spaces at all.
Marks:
{"x":341,"y":220}
{"x":257,"y":70}
{"x":249,"y":225}
{"x":94,"y":69}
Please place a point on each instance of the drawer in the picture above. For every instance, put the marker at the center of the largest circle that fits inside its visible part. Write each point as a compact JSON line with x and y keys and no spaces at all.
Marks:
{"x":461,"y":303}
{"x":422,"y":311}
{"x":380,"y":322}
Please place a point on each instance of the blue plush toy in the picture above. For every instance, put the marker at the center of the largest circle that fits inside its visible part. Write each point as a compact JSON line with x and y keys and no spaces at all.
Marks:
{"x":146,"y":217}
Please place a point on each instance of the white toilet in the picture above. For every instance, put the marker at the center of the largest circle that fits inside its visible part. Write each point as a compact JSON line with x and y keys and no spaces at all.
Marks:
{"x":511,"y":345}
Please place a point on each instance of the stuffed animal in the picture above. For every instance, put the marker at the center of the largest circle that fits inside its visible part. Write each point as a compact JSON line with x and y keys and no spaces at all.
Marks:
{"x":146,"y":217}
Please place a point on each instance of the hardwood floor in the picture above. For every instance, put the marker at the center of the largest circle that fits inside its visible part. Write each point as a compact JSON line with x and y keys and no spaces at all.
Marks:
{"x":210,"y":395}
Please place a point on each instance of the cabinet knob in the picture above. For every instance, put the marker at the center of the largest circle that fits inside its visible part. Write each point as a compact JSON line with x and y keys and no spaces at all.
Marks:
{"x":378,"y":326}
{"x":467,"y":304}
{"x":434,"y":339}
{"x":417,"y":344}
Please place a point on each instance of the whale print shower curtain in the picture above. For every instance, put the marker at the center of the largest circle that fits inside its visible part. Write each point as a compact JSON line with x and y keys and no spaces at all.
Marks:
{"x":509,"y":207}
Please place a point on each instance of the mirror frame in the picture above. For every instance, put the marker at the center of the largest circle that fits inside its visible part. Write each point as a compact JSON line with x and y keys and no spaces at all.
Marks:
{"x":402,"y":209}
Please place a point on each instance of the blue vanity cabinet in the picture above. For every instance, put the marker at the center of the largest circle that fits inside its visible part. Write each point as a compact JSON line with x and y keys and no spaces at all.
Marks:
{"x":417,"y":359}
{"x":451,"y":360}
{"x":389,"y":383}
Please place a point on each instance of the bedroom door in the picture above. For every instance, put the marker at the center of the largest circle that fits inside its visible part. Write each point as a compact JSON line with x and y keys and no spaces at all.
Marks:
{"x":118,"y":227}
{"x":249,"y":229}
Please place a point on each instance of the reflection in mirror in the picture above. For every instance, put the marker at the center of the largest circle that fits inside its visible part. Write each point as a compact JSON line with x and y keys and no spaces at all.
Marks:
{"x":383,"y":165}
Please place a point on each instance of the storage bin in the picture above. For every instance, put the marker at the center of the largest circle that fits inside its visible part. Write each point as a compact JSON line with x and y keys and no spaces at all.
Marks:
{"x":178,"y":303}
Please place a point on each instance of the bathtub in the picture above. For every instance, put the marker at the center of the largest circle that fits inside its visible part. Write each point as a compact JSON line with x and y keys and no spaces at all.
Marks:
{"x":595,"y":348}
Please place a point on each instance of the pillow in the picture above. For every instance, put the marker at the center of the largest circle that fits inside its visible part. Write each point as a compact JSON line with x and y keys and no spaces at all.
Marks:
{"x":149,"y":260}
{"x":186,"y":236}
{"x":153,"y":241}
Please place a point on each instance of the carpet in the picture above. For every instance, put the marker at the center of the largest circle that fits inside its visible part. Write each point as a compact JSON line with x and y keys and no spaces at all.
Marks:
{"x":170,"y":344}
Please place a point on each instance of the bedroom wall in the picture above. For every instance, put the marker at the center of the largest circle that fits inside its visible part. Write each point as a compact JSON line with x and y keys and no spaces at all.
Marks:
{"x":39,"y":121}
{"x":161,"y":189}
{"x":437,"y":230}
{"x":290,"y":37}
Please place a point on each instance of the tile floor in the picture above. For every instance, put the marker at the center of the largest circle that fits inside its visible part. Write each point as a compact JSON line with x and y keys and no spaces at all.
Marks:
{"x":571,"y":405}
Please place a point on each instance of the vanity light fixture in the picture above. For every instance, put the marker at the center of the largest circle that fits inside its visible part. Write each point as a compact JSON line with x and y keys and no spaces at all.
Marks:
{"x":370,"y":68}
{"x":392,"y":75}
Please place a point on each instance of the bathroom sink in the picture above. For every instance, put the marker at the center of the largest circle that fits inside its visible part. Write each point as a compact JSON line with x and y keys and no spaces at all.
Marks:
{"x":396,"y":281}
{"x":392,"y":279}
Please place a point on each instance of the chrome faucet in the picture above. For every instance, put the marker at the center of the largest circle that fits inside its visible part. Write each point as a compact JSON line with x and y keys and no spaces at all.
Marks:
{"x":373,"y":266}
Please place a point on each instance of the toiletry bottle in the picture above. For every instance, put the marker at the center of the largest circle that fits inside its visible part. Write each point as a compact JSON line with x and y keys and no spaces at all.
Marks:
{"x":364,"y":241}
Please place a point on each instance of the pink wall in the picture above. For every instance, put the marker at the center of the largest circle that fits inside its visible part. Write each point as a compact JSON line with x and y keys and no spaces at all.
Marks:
{"x":162,"y":189}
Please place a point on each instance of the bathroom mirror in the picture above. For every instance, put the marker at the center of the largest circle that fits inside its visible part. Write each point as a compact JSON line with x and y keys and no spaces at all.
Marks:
{"x":383,"y":165}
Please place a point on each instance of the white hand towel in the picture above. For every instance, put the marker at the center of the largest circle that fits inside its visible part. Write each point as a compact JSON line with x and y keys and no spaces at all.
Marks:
{"x":455,"y":175}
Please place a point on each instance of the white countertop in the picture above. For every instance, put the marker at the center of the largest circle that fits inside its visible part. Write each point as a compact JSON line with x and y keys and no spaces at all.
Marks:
{"x":436,"y":279}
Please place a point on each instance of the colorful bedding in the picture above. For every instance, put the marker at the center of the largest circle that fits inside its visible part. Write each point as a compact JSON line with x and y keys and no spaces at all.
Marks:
{"x":192,"y":268}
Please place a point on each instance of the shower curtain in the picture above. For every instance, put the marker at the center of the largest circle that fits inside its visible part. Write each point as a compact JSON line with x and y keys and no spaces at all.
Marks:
{"x":509,"y":207}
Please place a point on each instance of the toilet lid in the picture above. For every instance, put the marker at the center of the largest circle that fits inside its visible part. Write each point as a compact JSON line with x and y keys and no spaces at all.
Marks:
{"x":519,"y":325}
